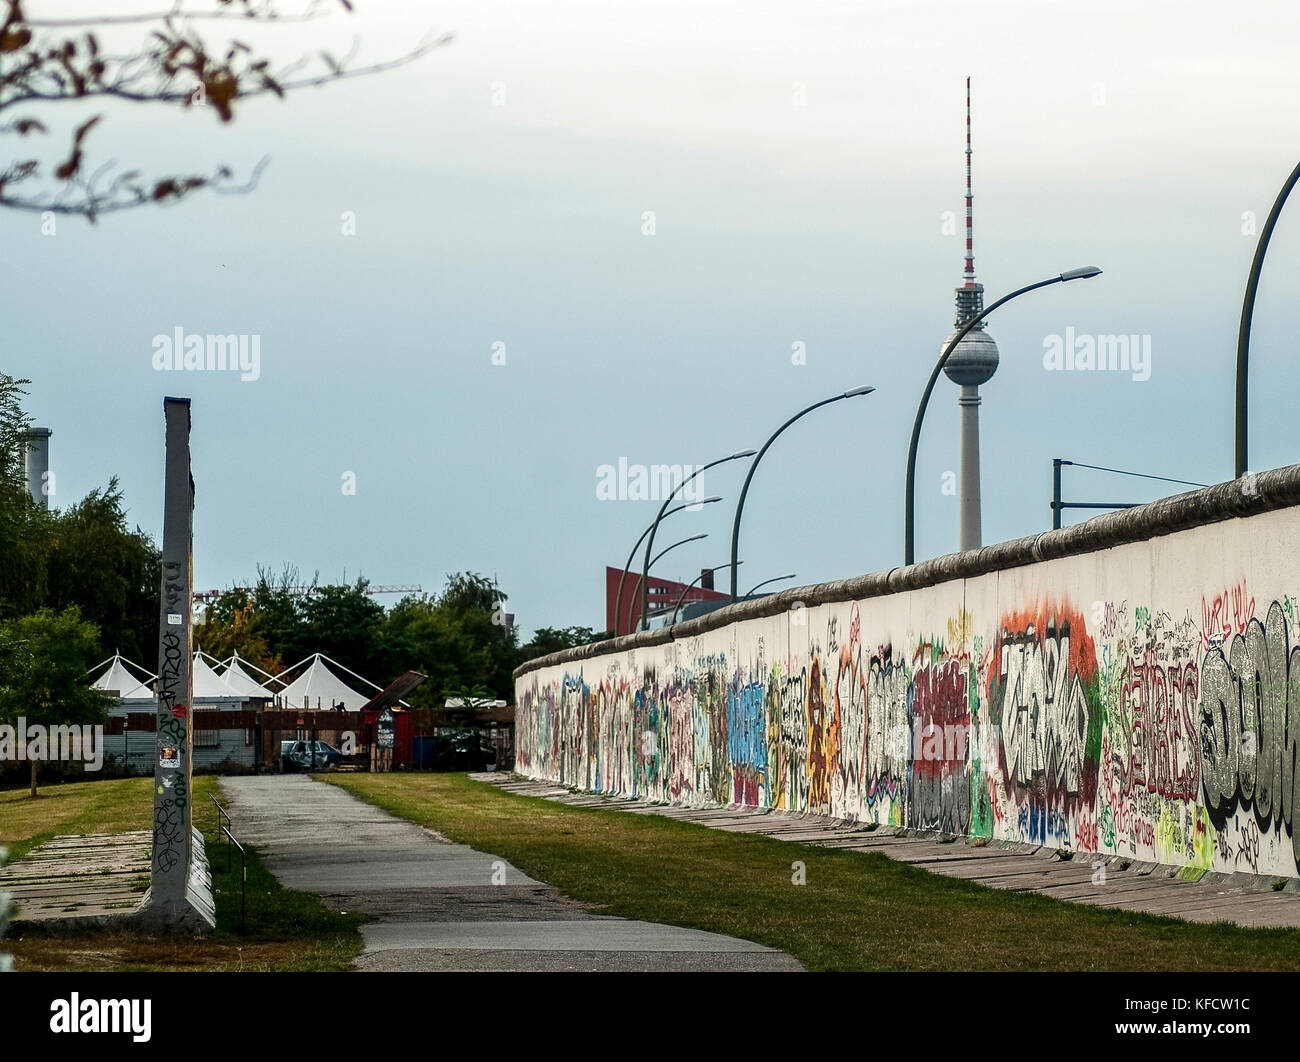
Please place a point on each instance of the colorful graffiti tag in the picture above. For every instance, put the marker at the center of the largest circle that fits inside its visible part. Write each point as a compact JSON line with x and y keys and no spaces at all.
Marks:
{"x":1106,"y":726}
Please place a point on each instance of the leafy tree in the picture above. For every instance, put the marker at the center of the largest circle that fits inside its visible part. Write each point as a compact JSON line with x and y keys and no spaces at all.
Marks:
{"x":231,"y":624}
{"x":458,"y":639}
{"x":469,"y":591}
{"x":113,"y":574}
{"x":14,"y":423}
{"x":423,"y":636}
{"x":43,"y":662}
{"x":548,"y":640}
{"x":277,"y":604}
{"x":346,"y":624}
{"x":476,"y":605}
{"x":24,"y":542}
{"x":49,"y":61}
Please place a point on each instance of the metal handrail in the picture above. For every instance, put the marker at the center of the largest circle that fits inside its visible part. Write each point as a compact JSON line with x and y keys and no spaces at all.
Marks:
{"x":222,"y":813}
{"x":243,"y":872}
{"x":243,"y":857}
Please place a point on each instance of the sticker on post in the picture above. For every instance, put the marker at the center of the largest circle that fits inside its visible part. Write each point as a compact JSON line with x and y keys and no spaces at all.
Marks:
{"x":174,"y":619}
{"x":169,"y":756}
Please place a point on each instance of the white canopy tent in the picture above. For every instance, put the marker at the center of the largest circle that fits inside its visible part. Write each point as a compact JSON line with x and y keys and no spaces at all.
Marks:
{"x":319,"y":687}
{"x":242,"y":682}
{"x":208,"y":685}
{"x":118,"y":677}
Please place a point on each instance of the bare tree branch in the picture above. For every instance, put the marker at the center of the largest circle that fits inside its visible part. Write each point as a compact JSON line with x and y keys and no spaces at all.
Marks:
{"x":173,"y":66}
{"x":264,"y":12}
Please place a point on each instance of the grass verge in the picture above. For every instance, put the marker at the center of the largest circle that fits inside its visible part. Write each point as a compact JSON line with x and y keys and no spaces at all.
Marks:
{"x":285,"y":930}
{"x":857,"y":910}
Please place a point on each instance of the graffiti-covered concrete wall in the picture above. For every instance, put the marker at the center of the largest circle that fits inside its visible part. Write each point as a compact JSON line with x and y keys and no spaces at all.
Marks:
{"x":1120,"y":687}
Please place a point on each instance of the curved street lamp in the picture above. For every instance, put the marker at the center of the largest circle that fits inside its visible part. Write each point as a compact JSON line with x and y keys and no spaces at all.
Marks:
{"x":682,"y":597}
{"x":740,"y":504}
{"x":644,"y":620}
{"x":909,"y":523}
{"x":645,"y":568}
{"x":777,"y":579}
{"x":1248,"y":313}
{"x":618,"y":601}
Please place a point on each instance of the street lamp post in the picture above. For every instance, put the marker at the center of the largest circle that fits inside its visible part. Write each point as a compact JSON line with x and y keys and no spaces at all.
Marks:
{"x":645,"y":570}
{"x":682,"y":597}
{"x":740,"y":503}
{"x":618,"y":601}
{"x":765,"y":582}
{"x":644,"y":620}
{"x":909,"y":512}
{"x":1248,"y":313}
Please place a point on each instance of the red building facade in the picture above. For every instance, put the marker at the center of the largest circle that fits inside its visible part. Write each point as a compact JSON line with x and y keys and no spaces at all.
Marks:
{"x":664,"y":594}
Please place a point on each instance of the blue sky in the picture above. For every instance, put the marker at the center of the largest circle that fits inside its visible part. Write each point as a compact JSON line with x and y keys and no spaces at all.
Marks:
{"x":798,"y":160}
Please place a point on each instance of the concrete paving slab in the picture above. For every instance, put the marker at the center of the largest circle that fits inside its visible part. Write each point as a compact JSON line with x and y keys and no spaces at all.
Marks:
{"x":1115,"y":885}
{"x":330,"y":841}
{"x":437,"y":904}
{"x":80,"y":880}
{"x":874,"y":840}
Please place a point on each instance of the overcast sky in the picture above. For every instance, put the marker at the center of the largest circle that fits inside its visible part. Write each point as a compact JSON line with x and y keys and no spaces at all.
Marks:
{"x":798,"y":159}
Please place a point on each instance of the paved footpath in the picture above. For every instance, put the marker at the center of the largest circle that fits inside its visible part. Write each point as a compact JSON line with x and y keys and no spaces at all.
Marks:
{"x":1246,"y":899}
{"x":434,"y":904}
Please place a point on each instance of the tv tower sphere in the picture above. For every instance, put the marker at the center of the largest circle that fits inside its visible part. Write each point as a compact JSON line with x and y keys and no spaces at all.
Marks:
{"x":975,"y":359}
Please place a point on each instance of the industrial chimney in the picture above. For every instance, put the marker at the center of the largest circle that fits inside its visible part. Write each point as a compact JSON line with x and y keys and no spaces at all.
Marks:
{"x":37,"y":464}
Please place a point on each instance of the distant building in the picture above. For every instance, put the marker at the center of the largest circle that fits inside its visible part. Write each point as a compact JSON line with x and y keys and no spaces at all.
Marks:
{"x":664,"y":595}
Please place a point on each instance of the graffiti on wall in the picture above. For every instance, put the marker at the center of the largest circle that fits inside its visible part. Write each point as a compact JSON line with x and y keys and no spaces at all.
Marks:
{"x":1109,"y":726}
{"x":1249,"y":730}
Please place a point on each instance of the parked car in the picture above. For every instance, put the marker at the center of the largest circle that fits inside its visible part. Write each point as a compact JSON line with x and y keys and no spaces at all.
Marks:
{"x":297,"y":756}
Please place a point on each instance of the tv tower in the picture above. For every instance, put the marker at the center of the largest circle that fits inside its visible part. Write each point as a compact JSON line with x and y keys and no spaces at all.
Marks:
{"x":972,"y":363}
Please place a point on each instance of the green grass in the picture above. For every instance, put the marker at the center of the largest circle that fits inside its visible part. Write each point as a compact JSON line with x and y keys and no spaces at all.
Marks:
{"x":285,"y":930}
{"x":111,"y":806}
{"x":858,"y":910}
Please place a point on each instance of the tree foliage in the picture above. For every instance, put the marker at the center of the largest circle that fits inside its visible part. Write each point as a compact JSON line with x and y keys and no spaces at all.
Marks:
{"x":111,"y":573}
{"x":43,"y":662}
{"x":84,"y":555}
{"x":457,"y":638}
{"x":548,"y":640}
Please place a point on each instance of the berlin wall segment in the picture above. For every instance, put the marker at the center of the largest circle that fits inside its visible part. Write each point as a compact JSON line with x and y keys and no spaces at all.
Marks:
{"x":1137,"y":693}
